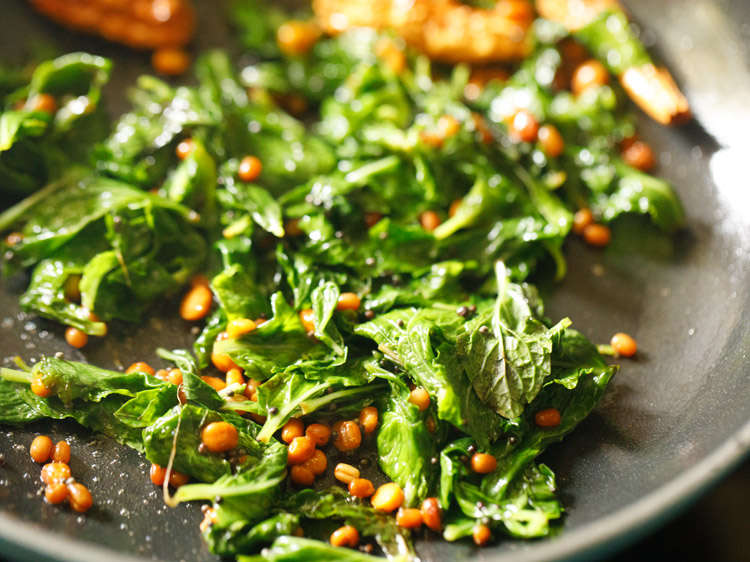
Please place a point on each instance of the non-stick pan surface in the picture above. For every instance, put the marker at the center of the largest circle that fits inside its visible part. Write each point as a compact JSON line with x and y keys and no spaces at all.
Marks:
{"x":672,"y":423}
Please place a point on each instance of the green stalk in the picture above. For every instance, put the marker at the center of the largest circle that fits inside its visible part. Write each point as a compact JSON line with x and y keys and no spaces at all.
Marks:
{"x":371,"y":169}
{"x":317,"y":403}
{"x":13,"y":375}
{"x":192,"y":492}
{"x":275,"y":422}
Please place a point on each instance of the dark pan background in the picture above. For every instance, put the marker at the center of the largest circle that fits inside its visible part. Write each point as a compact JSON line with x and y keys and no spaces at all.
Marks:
{"x":673,"y":423}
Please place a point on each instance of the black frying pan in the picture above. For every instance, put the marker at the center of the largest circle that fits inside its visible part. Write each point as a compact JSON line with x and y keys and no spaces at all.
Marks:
{"x":672,"y":423}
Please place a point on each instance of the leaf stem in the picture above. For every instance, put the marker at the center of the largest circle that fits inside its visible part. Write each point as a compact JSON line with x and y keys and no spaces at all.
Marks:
{"x":373,"y":168}
{"x":274,"y":422}
{"x":208,"y":491}
{"x":317,"y":403}
{"x":170,"y":500}
{"x":244,"y":406}
{"x":14,"y":375}
{"x":392,"y":355}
